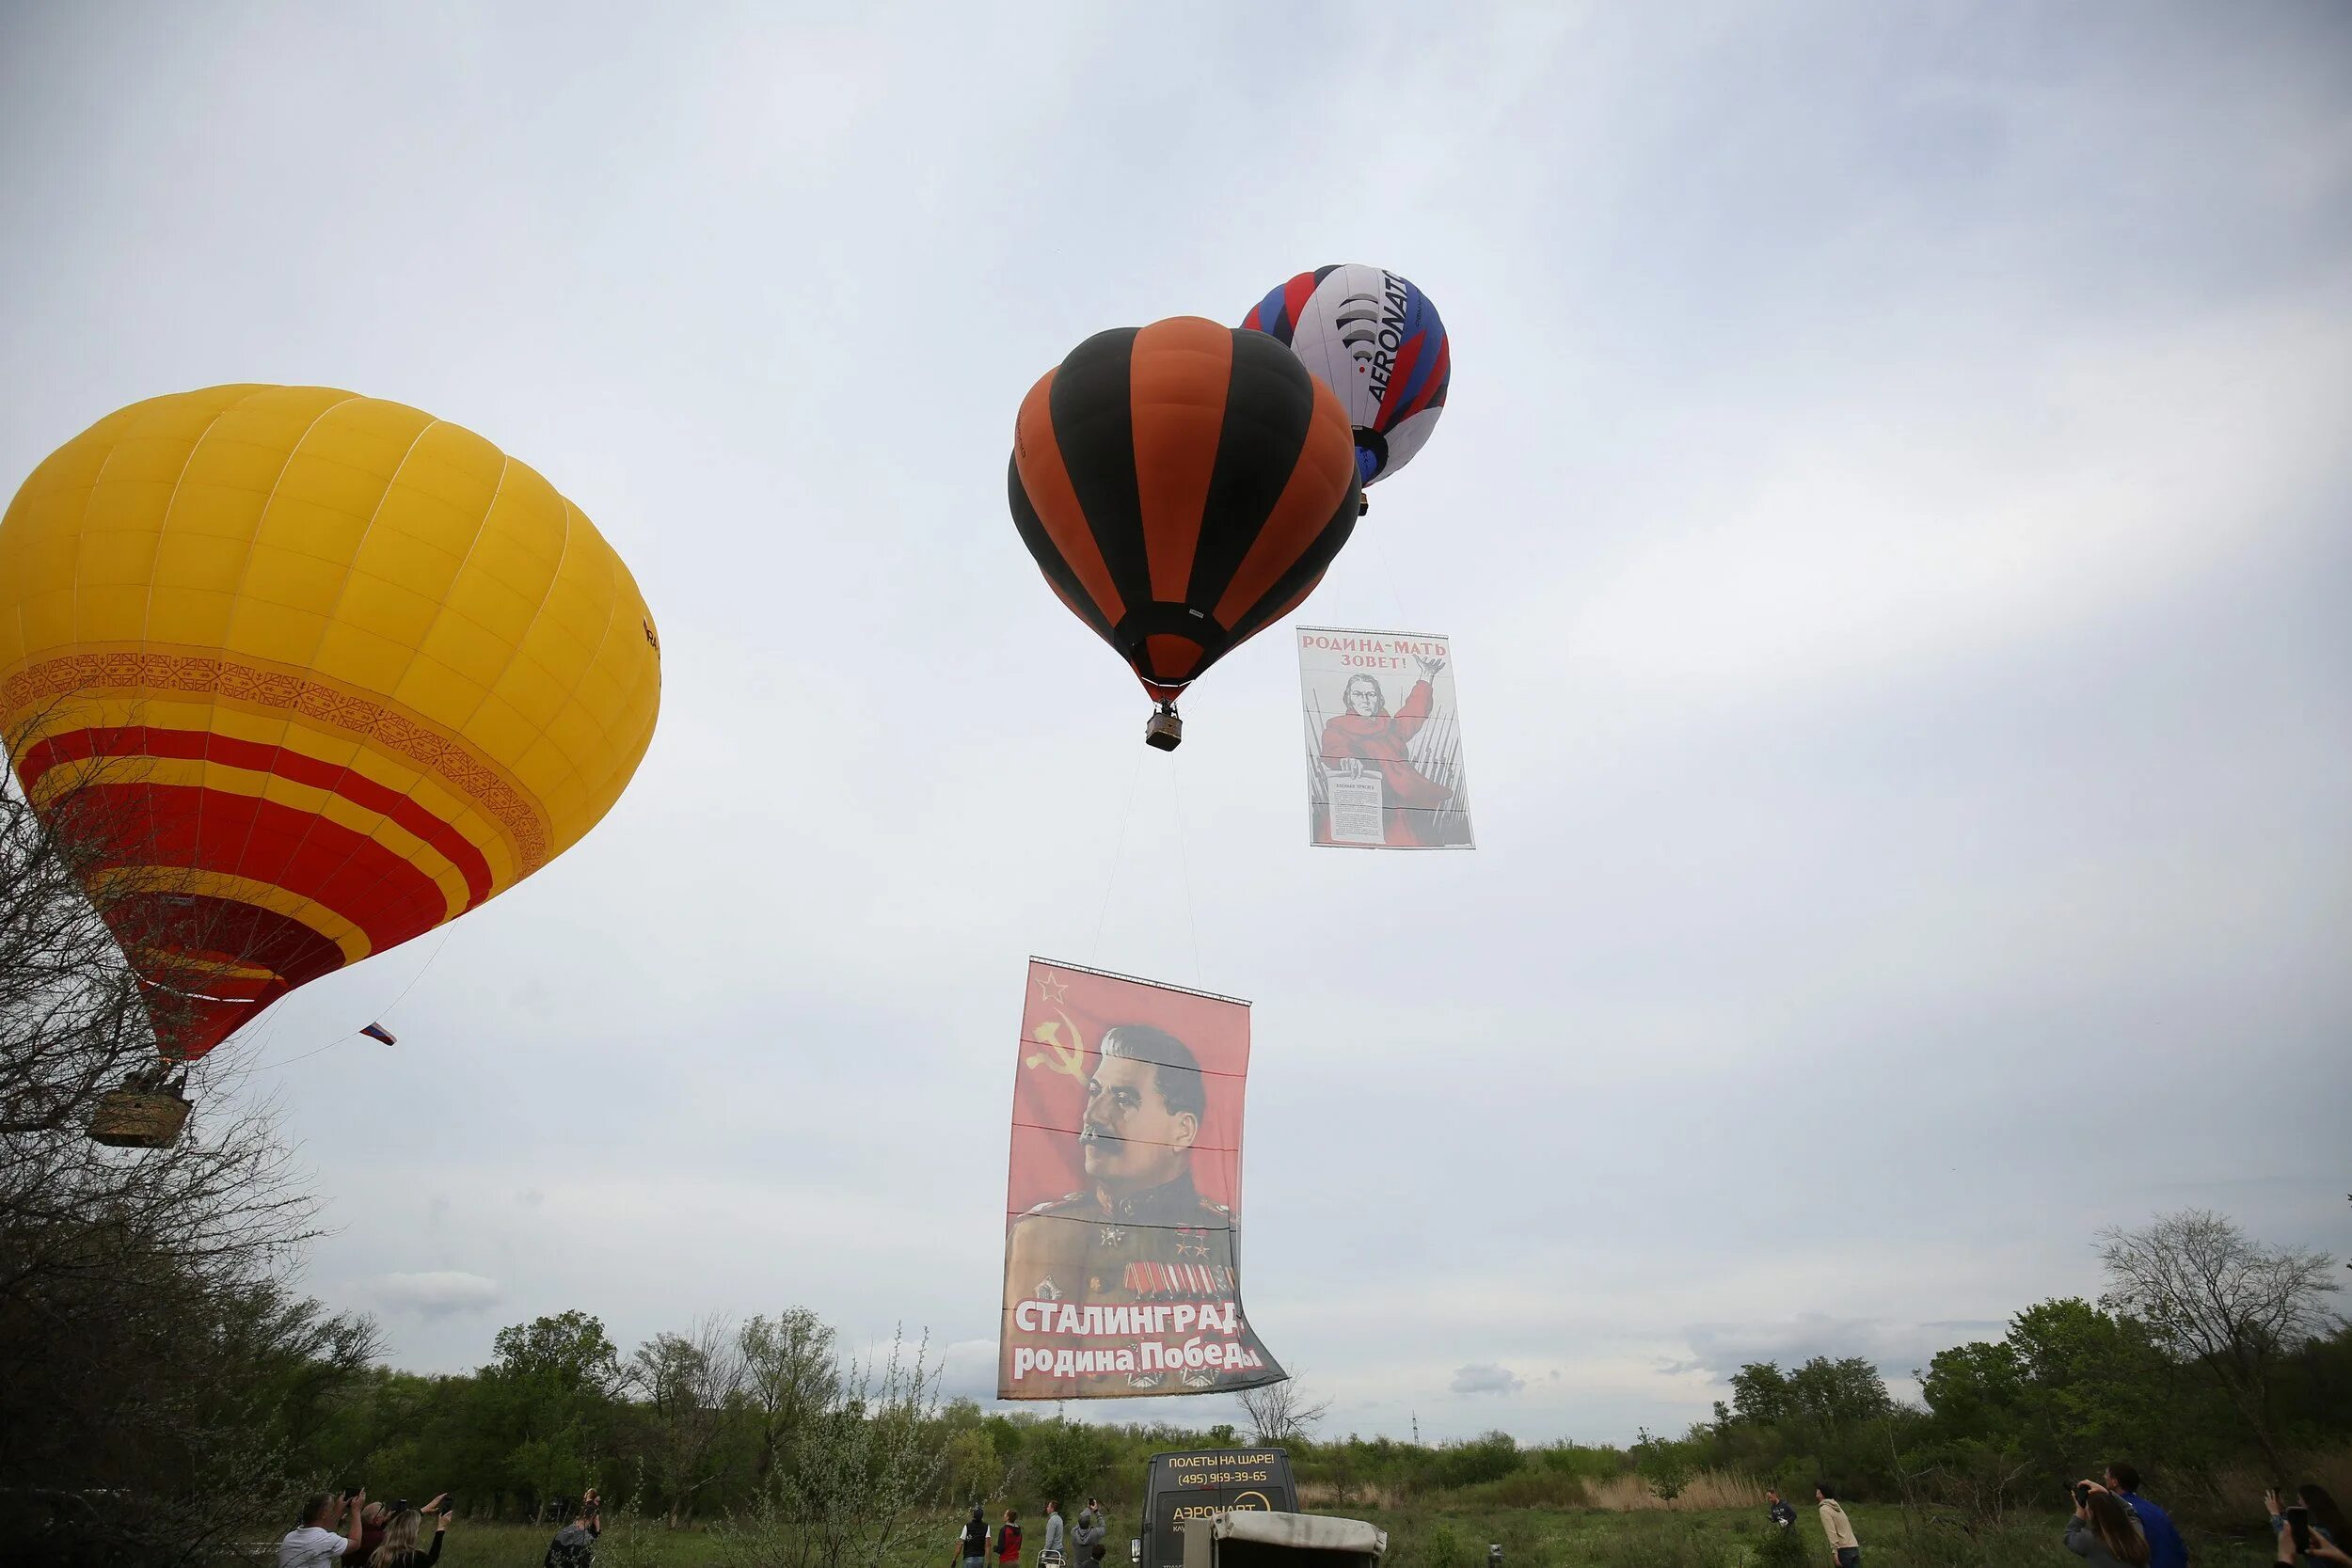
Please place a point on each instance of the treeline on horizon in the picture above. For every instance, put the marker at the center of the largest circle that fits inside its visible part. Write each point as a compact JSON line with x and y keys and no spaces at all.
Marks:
{"x":695,"y":1423}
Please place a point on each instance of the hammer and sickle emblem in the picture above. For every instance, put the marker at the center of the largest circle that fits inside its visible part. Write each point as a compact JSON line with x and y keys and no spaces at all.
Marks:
{"x":1059,"y":1056}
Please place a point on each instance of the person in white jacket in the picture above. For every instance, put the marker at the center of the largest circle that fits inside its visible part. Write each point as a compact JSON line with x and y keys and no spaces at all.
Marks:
{"x":1843,"y":1548}
{"x":312,"y":1543}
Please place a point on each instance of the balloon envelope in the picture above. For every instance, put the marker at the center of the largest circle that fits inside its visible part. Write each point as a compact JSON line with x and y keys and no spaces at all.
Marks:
{"x":335,"y":671}
{"x":1181,"y":486}
{"x":1377,"y":340}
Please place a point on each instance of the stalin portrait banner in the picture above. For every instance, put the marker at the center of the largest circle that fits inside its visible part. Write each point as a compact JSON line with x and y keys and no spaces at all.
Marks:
{"x":1123,"y":1210}
{"x":1384,"y":741}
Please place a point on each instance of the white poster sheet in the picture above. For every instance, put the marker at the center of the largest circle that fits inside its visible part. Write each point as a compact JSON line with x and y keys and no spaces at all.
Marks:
{"x":1384,"y":741}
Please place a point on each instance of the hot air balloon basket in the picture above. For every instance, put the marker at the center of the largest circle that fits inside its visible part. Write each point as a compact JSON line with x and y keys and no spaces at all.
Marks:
{"x":1164,"y":731}
{"x":138,"y":1118}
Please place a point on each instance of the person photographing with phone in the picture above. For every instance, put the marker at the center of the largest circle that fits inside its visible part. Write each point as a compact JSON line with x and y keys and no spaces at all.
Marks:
{"x":2316,"y":1548}
{"x":312,"y":1545}
{"x":399,"y":1548}
{"x":574,"y":1545}
{"x":1092,"y":1527}
{"x":2312,"y":1529}
{"x":2103,"y":1532}
{"x":373,"y":1521}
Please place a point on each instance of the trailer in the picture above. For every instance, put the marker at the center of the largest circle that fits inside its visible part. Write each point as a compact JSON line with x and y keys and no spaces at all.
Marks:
{"x":1260,"y":1539}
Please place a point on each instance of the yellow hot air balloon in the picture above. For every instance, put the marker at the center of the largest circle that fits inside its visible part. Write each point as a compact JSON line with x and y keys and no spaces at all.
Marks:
{"x":334,"y":672}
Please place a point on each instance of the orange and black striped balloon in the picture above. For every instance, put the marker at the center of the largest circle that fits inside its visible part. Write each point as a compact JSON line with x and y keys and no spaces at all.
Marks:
{"x":1183,"y":485}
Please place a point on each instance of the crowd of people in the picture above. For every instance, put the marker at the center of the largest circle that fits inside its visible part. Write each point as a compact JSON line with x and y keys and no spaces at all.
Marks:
{"x":356,"y":1533}
{"x":2113,"y":1526}
{"x":352,"y":1532}
{"x":1061,"y":1544}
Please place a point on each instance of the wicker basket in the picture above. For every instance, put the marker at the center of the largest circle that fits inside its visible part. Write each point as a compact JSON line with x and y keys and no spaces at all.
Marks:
{"x":138,"y":1118}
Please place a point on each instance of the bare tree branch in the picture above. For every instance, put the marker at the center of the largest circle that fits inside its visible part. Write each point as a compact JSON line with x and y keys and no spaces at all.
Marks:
{"x":1281,"y":1412}
{"x":2212,"y":1295}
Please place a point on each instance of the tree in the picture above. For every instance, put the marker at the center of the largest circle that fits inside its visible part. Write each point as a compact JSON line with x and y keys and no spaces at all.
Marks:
{"x":1834,"y":1394}
{"x":1665,"y":1467}
{"x":1281,"y":1412}
{"x":790,"y":1373}
{"x":1975,"y":1389}
{"x":542,"y":1411}
{"x":687,"y":1380}
{"x":2068,"y":1380}
{"x":2212,"y":1295}
{"x":567,"y":1352}
{"x":974,"y":1473}
{"x":1064,"y":1459}
{"x":1760,"y":1394}
{"x":859,"y":1470}
{"x":1839,"y":1395}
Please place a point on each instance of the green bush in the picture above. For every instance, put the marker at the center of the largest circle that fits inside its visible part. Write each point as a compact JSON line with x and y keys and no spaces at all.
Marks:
{"x":1782,"y":1548}
{"x":1443,"y":1548}
{"x":1479,"y":1460}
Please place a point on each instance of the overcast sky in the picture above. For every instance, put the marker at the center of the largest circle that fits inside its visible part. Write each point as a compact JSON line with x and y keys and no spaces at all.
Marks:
{"x":1891,"y":515}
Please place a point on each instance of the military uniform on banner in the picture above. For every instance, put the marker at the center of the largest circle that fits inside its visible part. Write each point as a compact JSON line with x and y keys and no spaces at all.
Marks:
{"x":1165,"y":1244}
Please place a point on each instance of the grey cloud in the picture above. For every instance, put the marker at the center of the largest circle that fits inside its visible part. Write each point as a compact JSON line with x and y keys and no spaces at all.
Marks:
{"x":1487,"y":1380}
{"x":437,"y":1294}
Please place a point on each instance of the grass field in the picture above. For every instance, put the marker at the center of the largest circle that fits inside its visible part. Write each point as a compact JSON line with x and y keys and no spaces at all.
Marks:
{"x":1436,"y":1538}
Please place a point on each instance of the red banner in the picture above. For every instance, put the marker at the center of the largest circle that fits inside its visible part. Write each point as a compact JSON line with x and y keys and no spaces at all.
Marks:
{"x":1123,"y":1208}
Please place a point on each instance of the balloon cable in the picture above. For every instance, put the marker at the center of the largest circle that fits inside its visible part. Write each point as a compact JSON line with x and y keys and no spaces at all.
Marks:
{"x":381,"y":1013}
{"x":1388,"y":575}
{"x":385,"y":1011}
{"x":1184,"y":862}
{"x":303,"y":1056}
{"x":1119,"y":846}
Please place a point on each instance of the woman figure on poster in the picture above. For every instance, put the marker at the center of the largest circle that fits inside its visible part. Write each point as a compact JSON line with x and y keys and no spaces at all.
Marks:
{"x":1367,"y":735}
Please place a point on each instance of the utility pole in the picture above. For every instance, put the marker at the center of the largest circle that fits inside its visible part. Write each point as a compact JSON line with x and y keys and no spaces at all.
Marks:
{"x":1417,"y":1428}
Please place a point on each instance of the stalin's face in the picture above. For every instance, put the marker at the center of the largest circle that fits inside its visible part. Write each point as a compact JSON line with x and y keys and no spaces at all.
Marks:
{"x":1132,"y":1140}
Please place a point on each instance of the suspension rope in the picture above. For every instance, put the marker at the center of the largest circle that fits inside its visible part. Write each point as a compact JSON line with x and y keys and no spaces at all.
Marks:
{"x":381,"y":1014}
{"x":1184,"y":862}
{"x":1119,"y":847}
